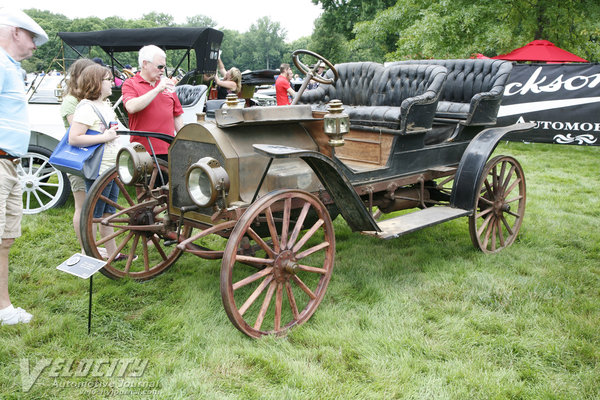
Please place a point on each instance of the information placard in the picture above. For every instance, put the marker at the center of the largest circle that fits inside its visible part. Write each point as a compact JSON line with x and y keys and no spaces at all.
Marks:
{"x":81,"y":265}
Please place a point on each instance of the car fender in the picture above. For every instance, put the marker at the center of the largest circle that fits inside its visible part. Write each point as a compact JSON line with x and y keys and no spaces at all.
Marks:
{"x":472,"y":163}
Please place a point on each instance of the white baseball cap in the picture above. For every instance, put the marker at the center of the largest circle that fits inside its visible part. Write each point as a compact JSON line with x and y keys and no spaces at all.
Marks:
{"x":19,"y":19}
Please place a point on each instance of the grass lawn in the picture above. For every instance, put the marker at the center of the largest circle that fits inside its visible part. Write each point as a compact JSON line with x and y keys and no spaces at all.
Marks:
{"x":424,"y":316}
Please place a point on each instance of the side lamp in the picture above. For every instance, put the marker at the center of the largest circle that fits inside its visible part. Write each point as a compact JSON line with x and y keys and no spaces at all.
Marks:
{"x":336,"y":123}
{"x":133,"y":163}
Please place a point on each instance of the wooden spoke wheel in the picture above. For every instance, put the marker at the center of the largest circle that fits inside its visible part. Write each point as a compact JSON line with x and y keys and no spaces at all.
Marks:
{"x":500,"y":205}
{"x":139,"y":228}
{"x":275,"y":281}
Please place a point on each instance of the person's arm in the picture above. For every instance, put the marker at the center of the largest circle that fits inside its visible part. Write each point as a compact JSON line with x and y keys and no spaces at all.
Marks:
{"x":291,"y":92}
{"x":137,"y":104}
{"x":230,"y":85}
{"x":78,"y":137}
{"x":221,"y":67}
{"x":178,"y":122}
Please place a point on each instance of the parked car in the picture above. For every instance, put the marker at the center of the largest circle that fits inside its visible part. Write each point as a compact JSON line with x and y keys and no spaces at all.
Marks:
{"x":270,"y":180}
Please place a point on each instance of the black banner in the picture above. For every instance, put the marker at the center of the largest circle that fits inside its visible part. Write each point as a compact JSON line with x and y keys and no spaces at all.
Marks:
{"x":563,"y":100}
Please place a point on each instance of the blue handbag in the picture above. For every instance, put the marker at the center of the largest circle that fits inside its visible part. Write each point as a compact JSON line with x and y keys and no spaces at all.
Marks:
{"x":80,"y":161}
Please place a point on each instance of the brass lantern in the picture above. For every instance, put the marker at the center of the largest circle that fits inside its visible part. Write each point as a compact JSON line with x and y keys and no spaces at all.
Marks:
{"x":133,"y":163}
{"x":206,"y":180}
{"x":336,"y":123}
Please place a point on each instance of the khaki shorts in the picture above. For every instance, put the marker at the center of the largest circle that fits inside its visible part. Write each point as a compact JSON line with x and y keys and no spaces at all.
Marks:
{"x":11,"y":201}
{"x":77,"y":183}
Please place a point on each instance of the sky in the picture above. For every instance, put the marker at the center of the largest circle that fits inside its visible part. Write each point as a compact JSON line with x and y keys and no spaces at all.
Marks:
{"x":296,"y":17}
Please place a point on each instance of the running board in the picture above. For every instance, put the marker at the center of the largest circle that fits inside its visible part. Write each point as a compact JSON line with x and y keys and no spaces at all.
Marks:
{"x":398,"y":226}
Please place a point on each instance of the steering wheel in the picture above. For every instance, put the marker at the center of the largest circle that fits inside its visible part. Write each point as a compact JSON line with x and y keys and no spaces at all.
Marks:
{"x":305,"y":69}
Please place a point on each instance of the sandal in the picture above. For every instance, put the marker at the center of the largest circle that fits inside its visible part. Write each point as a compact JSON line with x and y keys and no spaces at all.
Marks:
{"x":11,"y":316}
{"x":121,"y":257}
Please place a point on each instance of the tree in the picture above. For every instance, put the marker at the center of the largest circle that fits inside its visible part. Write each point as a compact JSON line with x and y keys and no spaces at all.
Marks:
{"x":263,"y":45}
{"x":340,"y":16}
{"x":457,"y":29}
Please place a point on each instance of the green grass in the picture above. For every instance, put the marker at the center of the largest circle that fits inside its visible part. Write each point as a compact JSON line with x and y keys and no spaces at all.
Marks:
{"x":424,"y":316}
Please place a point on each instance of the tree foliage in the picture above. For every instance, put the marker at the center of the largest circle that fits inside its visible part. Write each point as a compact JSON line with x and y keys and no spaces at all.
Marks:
{"x":263,"y":46}
{"x":457,"y":29}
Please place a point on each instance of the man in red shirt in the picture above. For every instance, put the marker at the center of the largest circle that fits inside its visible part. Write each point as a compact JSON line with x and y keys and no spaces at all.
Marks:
{"x":151,"y":101}
{"x":283,"y":90}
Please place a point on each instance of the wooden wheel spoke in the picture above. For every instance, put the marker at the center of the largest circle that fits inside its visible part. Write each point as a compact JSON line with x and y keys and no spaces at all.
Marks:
{"x":146,"y":255}
{"x":484,"y":212}
{"x":511,"y":188}
{"x":156,"y":243}
{"x":272,"y":229}
{"x":494,"y":233}
{"x":261,"y":242}
{"x":136,"y":240}
{"x":507,"y":225}
{"x":252,"y":278}
{"x":299,"y":224}
{"x":484,"y":224}
{"x":120,"y":247}
{"x":112,"y":203}
{"x":285,"y":224}
{"x":312,"y":250}
{"x":123,"y":190}
{"x":253,"y":260}
{"x":308,"y":235}
{"x":500,"y":233}
{"x":292,"y":300}
{"x":487,"y":189}
{"x":265,"y":306}
{"x":501,"y":175}
{"x":250,"y":300}
{"x":109,"y":237}
{"x":486,"y":237}
{"x":509,"y":176}
{"x":278,"y":303}
{"x":308,"y":268}
{"x":304,"y":288}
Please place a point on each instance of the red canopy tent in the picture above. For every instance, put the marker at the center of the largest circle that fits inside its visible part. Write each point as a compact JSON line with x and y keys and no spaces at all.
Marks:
{"x":540,"y":50}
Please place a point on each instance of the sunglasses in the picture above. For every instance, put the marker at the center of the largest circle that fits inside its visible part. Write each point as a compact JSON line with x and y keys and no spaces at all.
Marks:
{"x":161,"y":67}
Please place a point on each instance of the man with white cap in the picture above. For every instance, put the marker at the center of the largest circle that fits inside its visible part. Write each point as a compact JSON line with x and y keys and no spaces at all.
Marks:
{"x":19,"y":37}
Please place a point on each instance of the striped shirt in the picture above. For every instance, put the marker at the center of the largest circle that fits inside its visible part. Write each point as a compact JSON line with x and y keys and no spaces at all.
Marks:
{"x":14,"y":119}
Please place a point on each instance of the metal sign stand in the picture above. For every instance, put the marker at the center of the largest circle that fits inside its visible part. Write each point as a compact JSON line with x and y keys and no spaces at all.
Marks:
{"x":83,"y":267}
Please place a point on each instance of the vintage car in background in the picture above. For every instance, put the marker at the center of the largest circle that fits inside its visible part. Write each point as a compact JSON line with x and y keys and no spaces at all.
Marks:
{"x":258,"y":187}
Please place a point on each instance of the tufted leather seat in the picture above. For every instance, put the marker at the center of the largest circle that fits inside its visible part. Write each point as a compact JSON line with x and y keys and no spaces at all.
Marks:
{"x":192,"y":99}
{"x":473,"y":89}
{"x":189,"y":95}
{"x":402,"y":97}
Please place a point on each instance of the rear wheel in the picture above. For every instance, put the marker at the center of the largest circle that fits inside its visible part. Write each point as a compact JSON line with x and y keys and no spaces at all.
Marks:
{"x":500,"y":205}
{"x":43,"y":185}
{"x":140,"y":227}
{"x":271,"y":285}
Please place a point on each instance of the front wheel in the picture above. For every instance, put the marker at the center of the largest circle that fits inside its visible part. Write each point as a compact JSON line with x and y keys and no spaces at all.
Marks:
{"x":139,"y":227}
{"x":289,"y":272}
{"x":500,"y":205}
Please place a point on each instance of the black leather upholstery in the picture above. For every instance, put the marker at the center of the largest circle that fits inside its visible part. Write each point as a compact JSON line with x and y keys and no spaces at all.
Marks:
{"x":473,"y":89}
{"x":189,"y":95}
{"x":400,"y":97}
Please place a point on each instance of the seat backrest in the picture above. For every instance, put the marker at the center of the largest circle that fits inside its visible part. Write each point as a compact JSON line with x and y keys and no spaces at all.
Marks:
{"x":189,"y":95}
{"x":473,"y":89}
{"x":354,"y":87}
{"x":469,"y":77}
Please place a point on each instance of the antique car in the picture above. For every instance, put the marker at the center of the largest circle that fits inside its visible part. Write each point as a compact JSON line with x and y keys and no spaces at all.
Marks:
{"x":258,"y":187}
{"x":192,"y":49}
